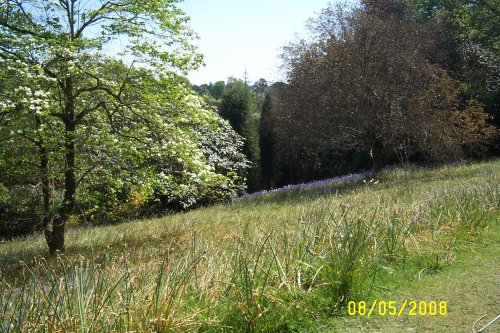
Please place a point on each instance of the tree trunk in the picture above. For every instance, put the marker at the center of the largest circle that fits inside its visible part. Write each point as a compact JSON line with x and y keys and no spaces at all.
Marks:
{"x":53,"y":238}
{"x":54,"y":232}
{"x":46,"y":189}
{"x":377,"y":155}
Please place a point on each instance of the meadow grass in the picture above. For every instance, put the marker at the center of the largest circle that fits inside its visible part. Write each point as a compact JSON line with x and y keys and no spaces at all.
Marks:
{"x":276,"y":263}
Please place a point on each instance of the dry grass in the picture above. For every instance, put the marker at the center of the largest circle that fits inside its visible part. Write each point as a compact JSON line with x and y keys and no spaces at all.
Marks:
{"x":253,"y":265}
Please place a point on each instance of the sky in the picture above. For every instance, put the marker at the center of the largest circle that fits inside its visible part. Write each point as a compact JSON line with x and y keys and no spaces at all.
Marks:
{"x":246,"y":34}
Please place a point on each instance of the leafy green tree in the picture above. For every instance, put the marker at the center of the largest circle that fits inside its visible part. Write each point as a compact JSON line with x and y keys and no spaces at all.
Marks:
{"x":27,"y":138}
{"x":101,"y":123}
{"x":217,"y":89}
{"x":473,"y":20}
{"x":212,"y":92}
{"x":260,"y":86}
{"x":238,"y":108}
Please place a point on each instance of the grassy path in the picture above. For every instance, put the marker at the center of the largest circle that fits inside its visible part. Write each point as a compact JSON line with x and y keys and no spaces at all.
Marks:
{"x":470,"y":285}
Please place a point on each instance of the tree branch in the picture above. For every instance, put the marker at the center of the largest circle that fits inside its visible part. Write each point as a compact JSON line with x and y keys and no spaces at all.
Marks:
{"x":20,"y":5}
{"x":490,"y":7}
{"x":86,"y":111}
{"x":93,"y":19}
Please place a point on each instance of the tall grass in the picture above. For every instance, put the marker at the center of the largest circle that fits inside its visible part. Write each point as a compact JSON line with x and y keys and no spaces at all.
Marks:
{"x":260,"y":265}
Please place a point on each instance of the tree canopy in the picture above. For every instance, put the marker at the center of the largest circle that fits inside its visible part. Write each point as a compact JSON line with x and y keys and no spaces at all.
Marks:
{"x":365,"y":83}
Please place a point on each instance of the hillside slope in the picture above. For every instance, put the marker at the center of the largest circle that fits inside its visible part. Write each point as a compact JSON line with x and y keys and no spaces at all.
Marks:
{"x":288,"y":261}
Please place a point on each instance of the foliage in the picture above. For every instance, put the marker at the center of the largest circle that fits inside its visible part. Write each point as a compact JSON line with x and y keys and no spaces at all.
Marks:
{"x":364,"y":83}
{"x":212,"y":92}
{"x":260,"y":86}
{"x":467,"y":32}
{"x":222,"y":151}
{"x":475,"y":20}
{"x":267,"y":143}
{"x":237,"y":106}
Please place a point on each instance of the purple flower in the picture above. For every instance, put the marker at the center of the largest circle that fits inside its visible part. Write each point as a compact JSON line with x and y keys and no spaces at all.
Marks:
{"x":334,"y":180}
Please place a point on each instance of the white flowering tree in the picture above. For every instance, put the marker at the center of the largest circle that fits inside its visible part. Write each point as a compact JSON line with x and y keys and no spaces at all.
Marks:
{"x":92,"y":96}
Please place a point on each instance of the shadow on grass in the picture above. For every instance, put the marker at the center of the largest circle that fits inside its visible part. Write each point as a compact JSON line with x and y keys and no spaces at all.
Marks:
{"x":15,"y":262}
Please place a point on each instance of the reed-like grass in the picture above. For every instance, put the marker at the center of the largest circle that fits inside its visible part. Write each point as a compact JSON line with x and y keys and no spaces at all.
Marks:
{"x":274,"y":263}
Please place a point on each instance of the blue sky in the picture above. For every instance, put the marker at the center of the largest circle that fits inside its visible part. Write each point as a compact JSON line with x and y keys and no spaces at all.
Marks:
{"x":235,"y":34}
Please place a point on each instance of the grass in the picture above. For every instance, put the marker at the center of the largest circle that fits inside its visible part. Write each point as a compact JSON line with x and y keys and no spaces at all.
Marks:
{"x":470,"y":286}
{"x":285,"y":262}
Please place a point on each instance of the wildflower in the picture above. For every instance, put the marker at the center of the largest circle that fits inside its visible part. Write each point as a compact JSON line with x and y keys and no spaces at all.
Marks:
{"x":340,"y":179}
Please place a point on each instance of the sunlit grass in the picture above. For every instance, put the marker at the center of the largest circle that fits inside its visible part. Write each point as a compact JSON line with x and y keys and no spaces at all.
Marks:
{"x":270,"y":263}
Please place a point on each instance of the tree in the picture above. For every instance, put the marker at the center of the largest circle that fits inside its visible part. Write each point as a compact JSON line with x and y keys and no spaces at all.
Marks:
{"x":218,"y":89}
{"x":267,"y":135}
{"x":27,"y":139}
{"x":98,"y":118}
{"x":468,"y":46}
{"x":238,"y":108}
{"x":267,"y":143}
{"x":212,"y":92}
{"x":260,"y":86}
{"x":476,"y":21}
{"x":365,"y":84}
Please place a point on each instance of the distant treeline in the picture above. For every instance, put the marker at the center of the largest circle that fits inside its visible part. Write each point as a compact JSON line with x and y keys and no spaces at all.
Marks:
{"x":385,"y":83}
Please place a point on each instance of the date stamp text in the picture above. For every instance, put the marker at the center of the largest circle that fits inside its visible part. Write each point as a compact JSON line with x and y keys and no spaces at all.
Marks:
{"x":397,"y":308}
